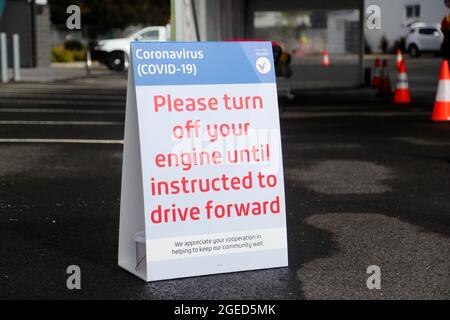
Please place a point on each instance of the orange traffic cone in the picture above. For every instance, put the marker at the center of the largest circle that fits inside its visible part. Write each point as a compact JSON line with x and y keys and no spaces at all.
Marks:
{"x":376,"y":80}
{"x":385,"y":89}
{"x":399,"y":59}
{"x":326,"y":58}
{"x":441,"y":110}
{"x":402,"y":90}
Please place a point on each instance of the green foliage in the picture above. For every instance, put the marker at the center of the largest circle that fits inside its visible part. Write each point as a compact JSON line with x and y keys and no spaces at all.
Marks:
{"x":104,"y":15}
{"x":79,"y":55}
{"x":59,"y":54}
{"x":384,"y":44}
{"x":73,"y":45}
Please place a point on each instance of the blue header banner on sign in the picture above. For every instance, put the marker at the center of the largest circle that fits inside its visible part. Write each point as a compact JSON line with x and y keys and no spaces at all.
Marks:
{"x":181,"y":63}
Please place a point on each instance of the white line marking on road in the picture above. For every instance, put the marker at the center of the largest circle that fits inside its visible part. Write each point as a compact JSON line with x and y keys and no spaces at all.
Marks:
{"x":71,"y":111}
{"x":61,"y":123}
{"x":305,"y":115}
{"x":75,"y":141}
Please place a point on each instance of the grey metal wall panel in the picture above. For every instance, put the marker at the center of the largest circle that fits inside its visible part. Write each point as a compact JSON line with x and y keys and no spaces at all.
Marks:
{"x":42,"y":36}
{"x":17,"y":18}
{"x":268,"y":5}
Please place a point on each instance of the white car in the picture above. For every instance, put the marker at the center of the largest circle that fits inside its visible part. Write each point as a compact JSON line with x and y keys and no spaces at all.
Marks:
{"x":424,"y":39}
{"x":115,"y":53}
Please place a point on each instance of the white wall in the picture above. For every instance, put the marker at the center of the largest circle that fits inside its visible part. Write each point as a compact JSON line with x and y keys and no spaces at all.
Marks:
{"x":336,"y":29}
{"x":184,"y":21}
{"x":224,"y":19}
{"x":393,"y":15}
{"x":216,"y":19}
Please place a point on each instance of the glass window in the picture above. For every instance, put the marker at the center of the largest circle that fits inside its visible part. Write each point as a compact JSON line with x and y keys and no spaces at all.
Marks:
{"x":427,"y":31}
{"x":305,"y":33}
{"x":417,"y":11}
{"x":150,"y":35}
{"x":412,"y":11}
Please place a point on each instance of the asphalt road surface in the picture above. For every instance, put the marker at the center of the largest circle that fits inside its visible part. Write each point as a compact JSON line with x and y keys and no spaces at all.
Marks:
{"x":367,"y":183}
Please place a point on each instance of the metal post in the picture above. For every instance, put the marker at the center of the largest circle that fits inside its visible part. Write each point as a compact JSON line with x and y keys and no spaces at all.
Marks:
{"x":16,"y":56}
{"x":172,"y":21}
{"x":88,"y":61}
{"x":126,"y":61}
{"x":194,"y":16}
{"x":362,"y":45}
{"x":3,"y":58}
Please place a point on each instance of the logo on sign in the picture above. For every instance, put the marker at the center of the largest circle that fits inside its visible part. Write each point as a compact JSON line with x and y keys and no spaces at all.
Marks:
{"x":263,"y":65}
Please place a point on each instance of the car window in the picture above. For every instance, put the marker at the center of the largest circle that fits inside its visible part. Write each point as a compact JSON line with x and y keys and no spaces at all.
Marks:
{"x":427,"y":31}
{"x":150,"y":35}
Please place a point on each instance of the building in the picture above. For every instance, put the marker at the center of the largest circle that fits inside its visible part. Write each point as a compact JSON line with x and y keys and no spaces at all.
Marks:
{"x":31,"y":20}
{"x":396,"y":15}
{"x":305,"y":28}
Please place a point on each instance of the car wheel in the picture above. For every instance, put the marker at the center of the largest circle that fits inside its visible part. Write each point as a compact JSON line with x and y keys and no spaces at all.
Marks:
{"x":116,"y":61}
{"x":414,"y":51}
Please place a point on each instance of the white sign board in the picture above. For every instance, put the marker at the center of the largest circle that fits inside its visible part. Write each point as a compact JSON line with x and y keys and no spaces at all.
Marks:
{"x":202,"y":181}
